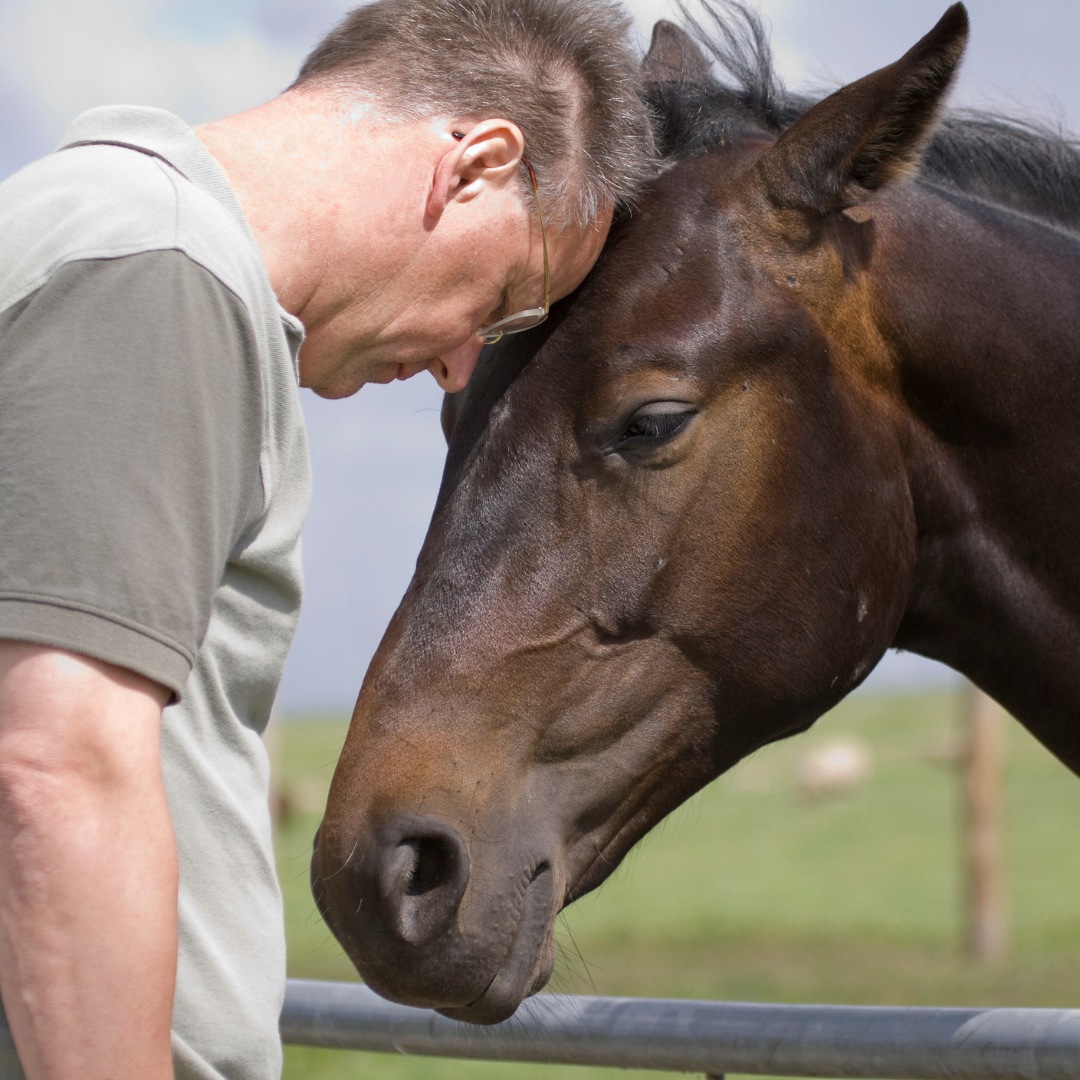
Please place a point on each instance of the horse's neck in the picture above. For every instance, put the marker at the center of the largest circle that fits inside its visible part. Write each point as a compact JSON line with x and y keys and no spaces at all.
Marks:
{"x":983,"y":310}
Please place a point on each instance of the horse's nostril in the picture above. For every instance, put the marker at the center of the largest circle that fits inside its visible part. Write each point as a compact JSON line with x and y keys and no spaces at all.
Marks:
{"x":423,"y":874}
{"x":434,"y":862}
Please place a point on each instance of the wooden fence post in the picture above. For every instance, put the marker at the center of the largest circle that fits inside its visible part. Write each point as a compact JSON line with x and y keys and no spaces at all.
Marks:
{"x":986,"y":934}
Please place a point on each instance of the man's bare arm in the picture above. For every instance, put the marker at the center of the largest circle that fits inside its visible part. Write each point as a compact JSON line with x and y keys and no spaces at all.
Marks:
{"x":88,"y":876}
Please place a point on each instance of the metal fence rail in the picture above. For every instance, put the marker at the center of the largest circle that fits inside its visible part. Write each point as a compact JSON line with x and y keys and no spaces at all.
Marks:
{"x":706,"y":1037}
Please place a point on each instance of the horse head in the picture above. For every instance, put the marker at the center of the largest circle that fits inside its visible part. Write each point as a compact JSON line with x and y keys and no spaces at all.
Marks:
{"x":634,"y":575}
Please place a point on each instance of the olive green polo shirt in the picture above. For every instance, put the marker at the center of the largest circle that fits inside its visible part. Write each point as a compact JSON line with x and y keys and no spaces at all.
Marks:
{"x":153,"y":481}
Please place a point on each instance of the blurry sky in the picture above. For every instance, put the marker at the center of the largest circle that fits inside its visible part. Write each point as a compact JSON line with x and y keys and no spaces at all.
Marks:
{"x":377,"y":457}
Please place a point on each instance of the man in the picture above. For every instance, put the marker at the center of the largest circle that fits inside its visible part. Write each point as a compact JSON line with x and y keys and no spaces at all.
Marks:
{"x":439,"y":169}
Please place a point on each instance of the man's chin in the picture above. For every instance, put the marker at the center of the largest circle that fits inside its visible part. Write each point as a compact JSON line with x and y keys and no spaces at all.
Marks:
{"x":333,"y":393}
{"x":344,"y":387}
{"x":381,"y":374}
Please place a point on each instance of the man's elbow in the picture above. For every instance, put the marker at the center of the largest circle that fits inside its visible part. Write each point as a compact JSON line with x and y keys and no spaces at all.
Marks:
{"x":73,"y":732}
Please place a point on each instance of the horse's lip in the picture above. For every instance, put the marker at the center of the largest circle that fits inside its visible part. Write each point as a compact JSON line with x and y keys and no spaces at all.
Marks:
{"x":523,"y":970}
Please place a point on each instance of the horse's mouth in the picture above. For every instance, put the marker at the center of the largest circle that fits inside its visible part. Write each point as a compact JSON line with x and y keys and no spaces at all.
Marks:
{"x":528,"y":961}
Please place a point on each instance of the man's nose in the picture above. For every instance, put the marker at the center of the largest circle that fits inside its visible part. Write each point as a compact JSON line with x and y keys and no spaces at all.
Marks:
{"x":453,"y":368}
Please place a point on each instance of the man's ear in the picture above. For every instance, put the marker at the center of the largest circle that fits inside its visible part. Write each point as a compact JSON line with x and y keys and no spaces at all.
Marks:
{"x":487,"y":152}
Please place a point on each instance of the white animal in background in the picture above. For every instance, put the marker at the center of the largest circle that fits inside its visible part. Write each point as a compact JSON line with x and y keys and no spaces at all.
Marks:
{"x":832,"y":767}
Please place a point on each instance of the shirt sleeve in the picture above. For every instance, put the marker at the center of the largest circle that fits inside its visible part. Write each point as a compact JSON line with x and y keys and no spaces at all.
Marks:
{"x":130,"y":421}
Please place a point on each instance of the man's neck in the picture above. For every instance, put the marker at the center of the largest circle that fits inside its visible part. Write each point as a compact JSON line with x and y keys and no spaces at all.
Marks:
{"x":322,"y":188}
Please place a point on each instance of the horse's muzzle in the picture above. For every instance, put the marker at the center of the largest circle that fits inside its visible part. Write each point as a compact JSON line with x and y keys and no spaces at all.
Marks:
{"x":398,"y":900}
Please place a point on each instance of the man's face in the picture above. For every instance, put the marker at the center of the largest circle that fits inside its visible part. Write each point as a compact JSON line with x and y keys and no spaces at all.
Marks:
{"x":485,"y":265}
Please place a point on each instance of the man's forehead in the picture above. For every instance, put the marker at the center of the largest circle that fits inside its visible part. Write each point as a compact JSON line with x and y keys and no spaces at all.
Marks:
{"x":574,"y":250}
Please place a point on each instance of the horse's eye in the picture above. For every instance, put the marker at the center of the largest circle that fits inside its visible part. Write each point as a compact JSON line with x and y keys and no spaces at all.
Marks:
{"x":655,"y":423}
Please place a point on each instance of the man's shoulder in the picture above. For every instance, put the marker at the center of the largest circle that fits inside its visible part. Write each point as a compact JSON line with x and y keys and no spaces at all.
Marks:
{"x":102,"y":201}
{"x":83,"y":202}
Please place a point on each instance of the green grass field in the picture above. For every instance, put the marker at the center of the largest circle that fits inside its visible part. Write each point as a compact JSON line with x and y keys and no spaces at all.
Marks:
{"x":753,"y":892}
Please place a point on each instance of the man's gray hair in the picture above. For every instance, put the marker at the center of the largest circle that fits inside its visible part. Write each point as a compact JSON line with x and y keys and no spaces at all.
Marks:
{"x":567,"y":72}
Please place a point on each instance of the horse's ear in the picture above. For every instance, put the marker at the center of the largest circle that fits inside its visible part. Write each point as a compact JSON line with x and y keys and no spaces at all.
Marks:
{"x":674,"y":56}
{"x":869,"y":132}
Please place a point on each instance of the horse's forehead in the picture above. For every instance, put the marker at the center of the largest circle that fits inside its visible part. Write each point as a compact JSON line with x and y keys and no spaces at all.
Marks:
{"x":695,"y":230}
{"x":684,"y":273}
{"x":686,"y":199}
{"x":679,"y":276}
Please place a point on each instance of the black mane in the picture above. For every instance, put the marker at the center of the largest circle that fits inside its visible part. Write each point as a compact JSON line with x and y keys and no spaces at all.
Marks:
{"x":1024,"y":165}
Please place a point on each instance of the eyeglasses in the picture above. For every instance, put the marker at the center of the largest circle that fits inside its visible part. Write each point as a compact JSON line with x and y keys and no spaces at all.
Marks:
{"x":530,"y":317}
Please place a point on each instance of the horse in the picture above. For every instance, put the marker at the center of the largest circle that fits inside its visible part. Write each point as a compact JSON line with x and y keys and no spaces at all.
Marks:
{"x":818,"y":398}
